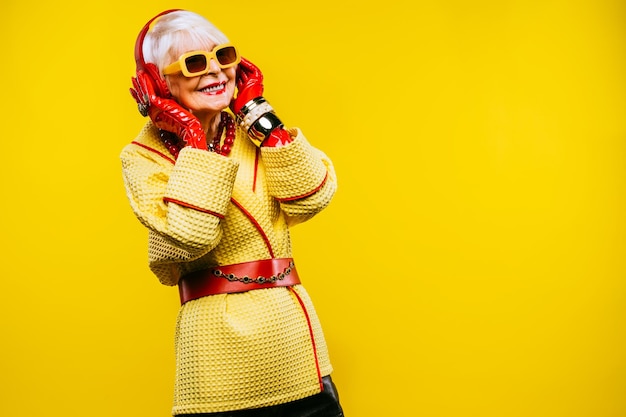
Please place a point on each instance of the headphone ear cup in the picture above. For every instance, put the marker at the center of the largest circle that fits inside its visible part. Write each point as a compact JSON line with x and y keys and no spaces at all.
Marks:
{"x":159,"y":84}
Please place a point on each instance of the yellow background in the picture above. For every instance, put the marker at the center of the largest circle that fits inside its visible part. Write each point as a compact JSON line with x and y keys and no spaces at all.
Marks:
{"x":472,"y":263}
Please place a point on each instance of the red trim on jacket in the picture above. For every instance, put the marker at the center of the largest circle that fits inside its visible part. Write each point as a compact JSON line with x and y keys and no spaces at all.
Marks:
{"x":308,"y":320}
{"x":310,"y":193}
{"x":168,"y":157}
{"x":256,"y":169}
{"x":191,"y":206}
{"x":256,"y":224}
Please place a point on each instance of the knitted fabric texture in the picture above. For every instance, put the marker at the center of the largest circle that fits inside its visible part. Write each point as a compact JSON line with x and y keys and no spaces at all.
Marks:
{"x":262,"y":358}
{"x":245,"y":350}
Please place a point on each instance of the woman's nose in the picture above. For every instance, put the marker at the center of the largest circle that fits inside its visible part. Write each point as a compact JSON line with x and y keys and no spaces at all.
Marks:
{"x":214,"y":67}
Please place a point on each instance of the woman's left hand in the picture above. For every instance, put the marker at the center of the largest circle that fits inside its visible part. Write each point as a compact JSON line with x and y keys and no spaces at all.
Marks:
{"x":249,"y":84}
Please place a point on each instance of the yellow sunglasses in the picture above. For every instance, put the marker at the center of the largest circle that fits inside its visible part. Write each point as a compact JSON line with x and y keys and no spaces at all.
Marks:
{"x":196,"y":63}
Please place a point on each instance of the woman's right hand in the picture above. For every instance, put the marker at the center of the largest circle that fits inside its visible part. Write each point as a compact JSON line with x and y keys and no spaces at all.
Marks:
{"x":167,"y":114}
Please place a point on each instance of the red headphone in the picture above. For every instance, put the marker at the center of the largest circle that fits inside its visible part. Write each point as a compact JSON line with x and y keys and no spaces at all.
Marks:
{"x":159,"y":84}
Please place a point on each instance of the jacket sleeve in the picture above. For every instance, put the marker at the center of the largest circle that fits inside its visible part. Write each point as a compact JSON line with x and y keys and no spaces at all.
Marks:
{"x":300,"y":177}
{"x":182,"y":202}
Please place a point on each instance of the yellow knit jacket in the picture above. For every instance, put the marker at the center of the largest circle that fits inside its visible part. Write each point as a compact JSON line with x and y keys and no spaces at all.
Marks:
{"x":245,"y":350}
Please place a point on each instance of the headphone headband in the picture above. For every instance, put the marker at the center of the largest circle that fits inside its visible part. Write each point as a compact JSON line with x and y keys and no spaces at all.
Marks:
{"x":139,"y":60}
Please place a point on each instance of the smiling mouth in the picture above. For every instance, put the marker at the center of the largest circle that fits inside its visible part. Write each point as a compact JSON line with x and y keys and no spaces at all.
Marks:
{"x":214,"y":89}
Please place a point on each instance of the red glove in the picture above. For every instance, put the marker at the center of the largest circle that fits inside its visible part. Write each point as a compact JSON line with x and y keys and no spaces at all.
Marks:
{"x":250,"y":86}
{"x":167,"y":114}
{"x":278,"y":137}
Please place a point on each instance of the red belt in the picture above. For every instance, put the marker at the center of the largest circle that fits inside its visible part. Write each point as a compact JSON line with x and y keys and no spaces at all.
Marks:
{"x":241,"y":277}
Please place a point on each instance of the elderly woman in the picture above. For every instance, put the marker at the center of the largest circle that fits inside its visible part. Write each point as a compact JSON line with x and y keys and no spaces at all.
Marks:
{"x":218,"y":180}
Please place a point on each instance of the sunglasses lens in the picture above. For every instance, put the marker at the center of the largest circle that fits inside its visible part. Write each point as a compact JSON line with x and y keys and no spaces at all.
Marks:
{"x":226,"y":55}
{"x":196,"y":63}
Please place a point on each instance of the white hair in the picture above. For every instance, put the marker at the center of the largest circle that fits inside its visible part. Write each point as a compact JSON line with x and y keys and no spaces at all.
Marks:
{"x":176,"y":33}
